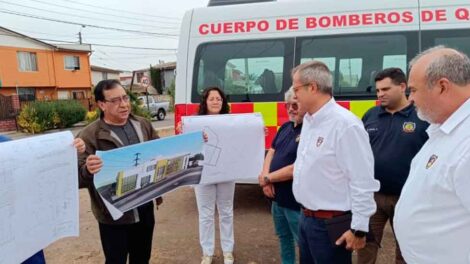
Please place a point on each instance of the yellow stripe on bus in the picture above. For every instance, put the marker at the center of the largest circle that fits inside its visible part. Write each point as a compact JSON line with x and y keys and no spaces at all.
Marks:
{"x":268,"y":111}
{"x":359,"y":108}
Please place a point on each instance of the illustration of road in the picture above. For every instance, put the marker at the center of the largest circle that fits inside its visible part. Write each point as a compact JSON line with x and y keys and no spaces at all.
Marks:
{"x":188,"y":177}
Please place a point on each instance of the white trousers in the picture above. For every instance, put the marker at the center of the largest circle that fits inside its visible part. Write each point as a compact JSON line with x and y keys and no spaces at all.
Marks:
{"x":207,"y":196}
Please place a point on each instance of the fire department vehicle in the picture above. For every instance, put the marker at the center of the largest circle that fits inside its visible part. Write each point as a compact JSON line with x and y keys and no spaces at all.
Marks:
{"x":249,"y":49}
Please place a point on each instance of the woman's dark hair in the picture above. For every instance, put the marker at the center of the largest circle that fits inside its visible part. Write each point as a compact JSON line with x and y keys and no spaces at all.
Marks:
{"x":105,"y":85}
{"x":205,"y":94}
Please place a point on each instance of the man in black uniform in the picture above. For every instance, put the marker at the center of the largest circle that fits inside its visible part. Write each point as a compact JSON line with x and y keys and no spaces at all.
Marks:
{"x":276,"y":179}
{"x":396,"y":135}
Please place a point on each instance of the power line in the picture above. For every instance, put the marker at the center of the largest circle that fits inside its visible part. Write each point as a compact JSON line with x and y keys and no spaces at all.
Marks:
{"x":120,"y":10}
{"x":86,"y":17}
{"x":6,"y":11}
{"x":43,"y":33}
{"x":102,"y":13}
{"x":111,"y":46}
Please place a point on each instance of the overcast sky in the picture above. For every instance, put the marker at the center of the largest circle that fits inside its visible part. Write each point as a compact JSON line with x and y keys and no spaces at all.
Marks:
{"x":147,"y":16}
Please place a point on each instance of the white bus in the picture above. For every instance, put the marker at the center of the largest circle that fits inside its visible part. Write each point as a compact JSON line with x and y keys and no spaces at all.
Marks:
{"x":249,"y":49}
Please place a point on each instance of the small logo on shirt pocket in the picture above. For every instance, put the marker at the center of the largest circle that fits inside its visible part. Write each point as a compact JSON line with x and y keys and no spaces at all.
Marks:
{"x":409,"y":127}
{"x":319,"y":141}
{"x":431,"y":161}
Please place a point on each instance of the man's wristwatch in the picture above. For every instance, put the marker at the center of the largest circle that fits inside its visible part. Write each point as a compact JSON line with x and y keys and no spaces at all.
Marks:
{"x":266,"y":179}
{"x":358,"y":233}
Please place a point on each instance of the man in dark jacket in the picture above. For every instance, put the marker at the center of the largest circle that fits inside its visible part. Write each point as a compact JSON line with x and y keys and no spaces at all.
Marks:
{"x":131,"y":235}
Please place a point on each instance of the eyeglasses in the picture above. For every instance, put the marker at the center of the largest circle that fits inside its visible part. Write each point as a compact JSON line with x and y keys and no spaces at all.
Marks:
{"x":118,"y":100}
{"x":295,"y":88}
{"x":295,"y":106}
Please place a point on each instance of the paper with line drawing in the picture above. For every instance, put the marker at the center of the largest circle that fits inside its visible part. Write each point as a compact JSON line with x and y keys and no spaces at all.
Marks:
{"x":235,"y":147}
{"x":38,"y":194}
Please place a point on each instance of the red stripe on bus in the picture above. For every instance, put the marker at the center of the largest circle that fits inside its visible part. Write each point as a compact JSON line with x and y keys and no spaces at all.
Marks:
{"x":282,"y":115}
{"x":241,"y":108}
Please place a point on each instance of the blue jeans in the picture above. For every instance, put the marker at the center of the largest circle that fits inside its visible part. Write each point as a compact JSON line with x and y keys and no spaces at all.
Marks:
{"x":315,"y":245}
{"x":286,"y":223}
{"x":37,"y":258}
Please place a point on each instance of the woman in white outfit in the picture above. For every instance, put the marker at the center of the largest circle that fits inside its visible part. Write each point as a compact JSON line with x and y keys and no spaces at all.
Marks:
{"x":214,"y":102}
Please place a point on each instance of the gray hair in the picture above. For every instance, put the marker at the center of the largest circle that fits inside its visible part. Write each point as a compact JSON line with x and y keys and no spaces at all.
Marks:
{"x":453,"y":65}
{"x":317,"y":72}
{"x":289,"y":94}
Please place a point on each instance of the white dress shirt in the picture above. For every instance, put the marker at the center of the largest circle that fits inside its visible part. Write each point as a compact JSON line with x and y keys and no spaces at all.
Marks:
{"x":334,"y":169}
{"x":432,"y":217}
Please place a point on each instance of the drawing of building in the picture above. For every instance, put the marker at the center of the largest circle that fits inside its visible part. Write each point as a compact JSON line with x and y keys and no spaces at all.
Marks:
{"x":149,"y":172}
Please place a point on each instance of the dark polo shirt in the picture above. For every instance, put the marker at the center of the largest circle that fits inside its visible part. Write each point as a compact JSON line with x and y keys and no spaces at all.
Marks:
{"x":395,"y":140}
{"x":285,"y":145}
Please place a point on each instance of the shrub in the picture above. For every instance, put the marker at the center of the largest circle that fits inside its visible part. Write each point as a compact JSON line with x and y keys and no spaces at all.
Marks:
{"x":39,"y":116}
{"x":69,"y":112}
{"x":92,"y":116}
{"x":136,"y":107}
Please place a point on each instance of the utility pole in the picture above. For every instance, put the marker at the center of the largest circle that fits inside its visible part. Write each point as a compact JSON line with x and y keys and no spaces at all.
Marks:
{"x":80,"y":34}
{"x":132,"y":81}
{"x":136,"y":159}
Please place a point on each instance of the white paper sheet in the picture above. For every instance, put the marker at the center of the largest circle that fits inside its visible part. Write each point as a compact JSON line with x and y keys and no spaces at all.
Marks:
{"x":235,"y":147}
{"x":38,"y":194}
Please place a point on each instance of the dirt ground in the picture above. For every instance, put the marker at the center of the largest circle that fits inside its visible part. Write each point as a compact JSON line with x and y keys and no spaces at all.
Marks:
{"x":175,"y":238}
{"x":176,"y":232}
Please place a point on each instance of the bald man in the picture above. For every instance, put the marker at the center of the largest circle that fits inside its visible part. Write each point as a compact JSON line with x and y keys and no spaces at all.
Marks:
{"x":432,"y":217}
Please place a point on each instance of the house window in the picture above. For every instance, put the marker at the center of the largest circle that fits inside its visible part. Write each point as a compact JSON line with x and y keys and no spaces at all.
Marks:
{"x":78,"y":95}
{"x":104,"y":75}
{"x":27,"y":94}
{"x":27,"y":61}
{"x":72,"y":63}
{"x":63,"y":95}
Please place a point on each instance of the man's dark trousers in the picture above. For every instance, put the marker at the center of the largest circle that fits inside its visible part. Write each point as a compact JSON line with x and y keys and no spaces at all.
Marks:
{"x":315,"y":245}
{"x":135,"y":240}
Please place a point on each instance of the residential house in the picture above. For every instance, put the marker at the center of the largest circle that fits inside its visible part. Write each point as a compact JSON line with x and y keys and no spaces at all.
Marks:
{"x":101,"y":73}
{"x":167,"y":75}
{"x":36,"y":70}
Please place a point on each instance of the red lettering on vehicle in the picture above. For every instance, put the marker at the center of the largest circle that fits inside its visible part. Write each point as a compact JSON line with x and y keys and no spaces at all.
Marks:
{"x":203,"y":29}
{"x":354,"y":20}
{"x":311,"y":22}
{"x":339,"y":21}
{"x":407,"y":17}
{"x":263,"y":25}
{"x":380,"y":18}
{"x":324,"y":21}
{"x":239,"y":27}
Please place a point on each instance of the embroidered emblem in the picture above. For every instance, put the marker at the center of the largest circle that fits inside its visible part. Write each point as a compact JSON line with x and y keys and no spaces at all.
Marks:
{"x":431,"y":161}
{"x":319,"y":141}
{"x":409,"y":127}
{"x":297,"y":139}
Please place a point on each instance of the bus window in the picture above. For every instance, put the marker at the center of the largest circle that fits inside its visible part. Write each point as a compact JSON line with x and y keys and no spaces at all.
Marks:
{"x":350,"y":71}
{"x":254,"y":75}
{"x":456,"y":38}
{"x":357,"y":58}
{"x":395,"y":61}
{"x":247,"y":71}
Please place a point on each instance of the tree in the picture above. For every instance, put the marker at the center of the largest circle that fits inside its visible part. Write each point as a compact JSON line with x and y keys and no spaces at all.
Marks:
{"x":155,"y":75}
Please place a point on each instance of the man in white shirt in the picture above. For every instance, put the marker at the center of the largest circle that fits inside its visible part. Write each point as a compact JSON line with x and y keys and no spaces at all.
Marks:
{"x":432,"y":217}
{"x":333,"y":172}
